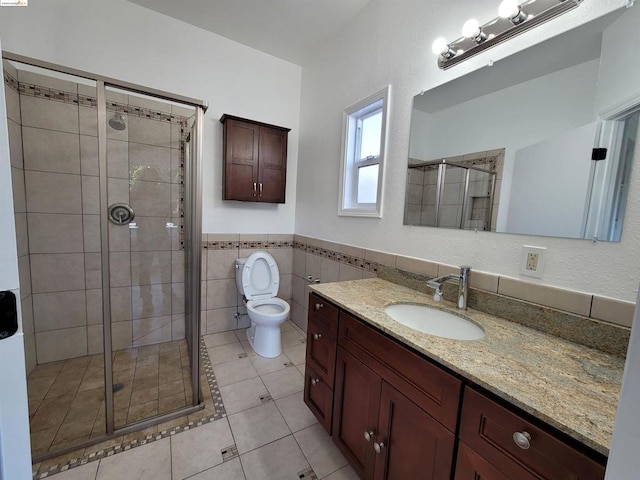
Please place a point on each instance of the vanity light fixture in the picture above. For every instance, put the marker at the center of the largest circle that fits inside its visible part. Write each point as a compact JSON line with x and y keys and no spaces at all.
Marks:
{"x":514,"y":18}
{"x":510,"y":10}
{"x":471,"y":30}
{"x":441,"y":47}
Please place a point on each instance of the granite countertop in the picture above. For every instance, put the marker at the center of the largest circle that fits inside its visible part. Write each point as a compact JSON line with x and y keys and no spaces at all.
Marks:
{"x":569,"y":386}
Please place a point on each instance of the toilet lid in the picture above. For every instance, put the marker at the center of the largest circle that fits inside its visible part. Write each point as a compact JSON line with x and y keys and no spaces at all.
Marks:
{"x":260,"y":276}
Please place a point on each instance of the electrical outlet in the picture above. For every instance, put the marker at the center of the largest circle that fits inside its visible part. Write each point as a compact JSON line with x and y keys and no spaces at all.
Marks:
{"x":532,"y":261}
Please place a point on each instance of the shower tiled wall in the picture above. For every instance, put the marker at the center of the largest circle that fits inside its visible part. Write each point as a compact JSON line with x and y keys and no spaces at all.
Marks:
{"x":422,"y":192}
{"x":56,"y":184}
{"x":20,"y":208}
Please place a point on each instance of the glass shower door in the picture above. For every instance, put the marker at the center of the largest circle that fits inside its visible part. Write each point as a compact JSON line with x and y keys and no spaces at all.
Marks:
{"x":145,"y":166}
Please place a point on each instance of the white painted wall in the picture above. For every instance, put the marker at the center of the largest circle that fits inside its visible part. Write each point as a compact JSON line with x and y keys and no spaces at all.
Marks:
{"x":615,"y":60}
{"x":356,"y":64}
{"x":15,"y":448}
{"x":550,"y":184}
{"x":128,"y":42}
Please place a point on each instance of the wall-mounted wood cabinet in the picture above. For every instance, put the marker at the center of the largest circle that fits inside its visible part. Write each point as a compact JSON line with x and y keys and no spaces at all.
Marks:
{"x":254,"y":161}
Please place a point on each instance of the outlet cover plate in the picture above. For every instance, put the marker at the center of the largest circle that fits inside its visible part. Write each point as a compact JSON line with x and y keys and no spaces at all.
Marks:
{"x":541,"y":252}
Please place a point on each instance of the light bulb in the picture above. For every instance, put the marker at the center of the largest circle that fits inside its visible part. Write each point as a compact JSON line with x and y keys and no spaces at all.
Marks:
{"x":471,"y":29}
{"x":509,"y":9}
{"x":440,"y":46}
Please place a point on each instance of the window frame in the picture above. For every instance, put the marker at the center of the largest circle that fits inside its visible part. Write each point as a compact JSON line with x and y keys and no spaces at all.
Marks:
{"x":351,"y":145}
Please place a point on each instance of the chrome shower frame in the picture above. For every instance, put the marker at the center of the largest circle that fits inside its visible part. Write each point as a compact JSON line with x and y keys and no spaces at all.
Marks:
{"x":193,"y":251}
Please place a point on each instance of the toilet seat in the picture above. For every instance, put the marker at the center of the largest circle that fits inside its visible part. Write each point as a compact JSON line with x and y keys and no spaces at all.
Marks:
{"x":260,"y":276}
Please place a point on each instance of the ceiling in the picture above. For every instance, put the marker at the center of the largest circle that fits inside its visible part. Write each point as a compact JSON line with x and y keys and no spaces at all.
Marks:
{"x":288,"y":29}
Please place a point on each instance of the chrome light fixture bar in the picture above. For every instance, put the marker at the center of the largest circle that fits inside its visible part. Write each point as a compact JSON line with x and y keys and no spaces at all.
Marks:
{"x":513,"y":20}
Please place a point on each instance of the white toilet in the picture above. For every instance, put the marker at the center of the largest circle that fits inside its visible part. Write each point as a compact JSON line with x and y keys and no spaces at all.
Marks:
{"x":258,"y":279}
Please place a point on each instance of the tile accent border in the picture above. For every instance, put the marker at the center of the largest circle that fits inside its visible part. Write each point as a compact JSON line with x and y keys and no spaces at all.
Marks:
{"x":247,"y":244}
{"x":586,"y":327}
{"x":53,"y":94}
{"x":220,"y":412}
{"x":339,"y":257}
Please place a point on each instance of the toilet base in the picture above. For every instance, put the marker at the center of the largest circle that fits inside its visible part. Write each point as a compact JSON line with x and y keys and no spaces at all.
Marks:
{"x":265,"y":341}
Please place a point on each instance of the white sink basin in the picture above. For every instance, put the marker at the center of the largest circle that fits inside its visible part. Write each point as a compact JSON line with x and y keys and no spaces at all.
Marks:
{"x":434,"y":322}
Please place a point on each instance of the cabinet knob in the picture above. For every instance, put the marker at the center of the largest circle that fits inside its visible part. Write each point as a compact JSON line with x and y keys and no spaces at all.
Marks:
{"x":315,"y":381}
{"x":378,"y":446}
{"x":319,"y":306}
{"x":317,"y":280}
{"x":317,"y":336}
{"x":369,"y":435}
{"x":310,"y":278}
{"x":522,"y":440}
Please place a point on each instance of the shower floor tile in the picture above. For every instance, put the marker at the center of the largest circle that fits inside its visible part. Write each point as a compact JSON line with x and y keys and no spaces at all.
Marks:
{"x":66,"y":399}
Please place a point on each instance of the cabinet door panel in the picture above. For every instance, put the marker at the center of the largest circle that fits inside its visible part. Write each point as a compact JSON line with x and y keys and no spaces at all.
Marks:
{"x":414,"y":444}
{"x":273,"y":165}
{"x":319,"y":397}
{"x":471,"y":466}
{"x":241,"y":165}
{"x":356,"y":403}
{"x":321,"y":351}
{"x":433,"y":389}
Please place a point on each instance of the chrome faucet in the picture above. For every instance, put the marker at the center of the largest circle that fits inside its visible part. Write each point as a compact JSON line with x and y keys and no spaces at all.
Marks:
{"x":463,"y":286}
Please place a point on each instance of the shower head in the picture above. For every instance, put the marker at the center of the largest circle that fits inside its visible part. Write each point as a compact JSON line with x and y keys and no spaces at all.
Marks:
{"x":117,"y":122}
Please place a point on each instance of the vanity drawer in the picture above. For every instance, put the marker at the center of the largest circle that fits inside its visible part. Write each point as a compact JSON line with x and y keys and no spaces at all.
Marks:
{"x":323,"y":314}
{"x":430,"y":387}
{"x":319,"y":397}
{"x":321,"y":350}
{"x":488,"y":428}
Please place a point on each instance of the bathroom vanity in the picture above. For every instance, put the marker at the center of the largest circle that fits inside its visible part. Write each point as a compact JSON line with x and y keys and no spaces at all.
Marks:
{"x":516,"y":404}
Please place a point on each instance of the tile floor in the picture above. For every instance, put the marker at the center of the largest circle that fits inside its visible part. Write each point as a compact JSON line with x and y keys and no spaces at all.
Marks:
{"x":268,"y":434}
{"x":66,"y":398}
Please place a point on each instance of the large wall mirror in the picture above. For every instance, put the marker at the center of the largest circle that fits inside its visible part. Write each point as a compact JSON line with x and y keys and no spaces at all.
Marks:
{"x":518,"y":147}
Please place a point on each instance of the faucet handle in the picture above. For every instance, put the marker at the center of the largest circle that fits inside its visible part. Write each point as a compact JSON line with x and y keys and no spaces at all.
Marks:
{"x":437,"y":294}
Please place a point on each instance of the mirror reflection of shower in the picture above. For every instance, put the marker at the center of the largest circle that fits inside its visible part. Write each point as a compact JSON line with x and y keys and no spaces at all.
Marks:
{"x":117,"y":122}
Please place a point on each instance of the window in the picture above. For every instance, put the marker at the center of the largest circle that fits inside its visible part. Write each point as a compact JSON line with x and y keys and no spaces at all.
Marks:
{"x":363,"y":147}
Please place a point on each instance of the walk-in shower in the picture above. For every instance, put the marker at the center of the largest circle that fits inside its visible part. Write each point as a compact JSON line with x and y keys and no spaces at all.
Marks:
{"x":452,"y":194}
{"x":106,"y":182}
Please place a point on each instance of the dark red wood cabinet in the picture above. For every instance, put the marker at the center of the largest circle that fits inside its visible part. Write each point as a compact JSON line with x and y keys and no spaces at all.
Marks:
{"x":254,"y":160}
{"x":320,"y":363}
{"x":396,"y":415}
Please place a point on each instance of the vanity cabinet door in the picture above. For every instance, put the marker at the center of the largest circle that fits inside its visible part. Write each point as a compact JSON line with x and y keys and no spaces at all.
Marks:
{"x":411,"y":444}
{"x":319,"y":397}
{"x":356,"y":407}
{"x":471,"y":466}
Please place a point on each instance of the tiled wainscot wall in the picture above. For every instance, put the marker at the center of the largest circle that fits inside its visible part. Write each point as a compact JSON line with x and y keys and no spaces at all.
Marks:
{"x":222,"y":306}
{"x":590,"y":319}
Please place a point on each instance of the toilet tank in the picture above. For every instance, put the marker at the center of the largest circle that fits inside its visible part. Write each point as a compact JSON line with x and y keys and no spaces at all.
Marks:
{"x":239,"y":267}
